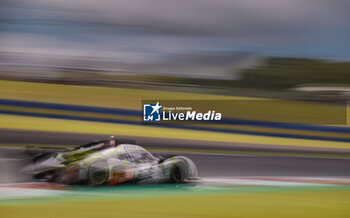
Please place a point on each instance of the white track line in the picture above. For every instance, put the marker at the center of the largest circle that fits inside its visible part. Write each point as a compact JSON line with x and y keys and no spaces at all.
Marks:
{"x":248,"y":155}
{"x":276,"y":181}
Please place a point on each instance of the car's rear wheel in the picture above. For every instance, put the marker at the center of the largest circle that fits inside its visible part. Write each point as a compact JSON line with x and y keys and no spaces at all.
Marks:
{"x":98,"y":173}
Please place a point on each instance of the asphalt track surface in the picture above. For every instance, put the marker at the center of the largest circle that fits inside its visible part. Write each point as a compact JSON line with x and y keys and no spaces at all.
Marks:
{"x":209,"y":164}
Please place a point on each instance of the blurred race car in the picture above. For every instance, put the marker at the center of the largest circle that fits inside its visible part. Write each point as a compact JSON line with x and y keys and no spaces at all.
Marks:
{"x":111,"y":162}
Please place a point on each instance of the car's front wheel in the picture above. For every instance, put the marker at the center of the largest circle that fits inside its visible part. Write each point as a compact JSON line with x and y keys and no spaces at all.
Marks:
{"x":178,"y":173}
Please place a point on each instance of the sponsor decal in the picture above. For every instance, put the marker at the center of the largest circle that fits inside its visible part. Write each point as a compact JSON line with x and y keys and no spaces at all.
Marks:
{"x":72,"y":173}
{"x":121,"y":176}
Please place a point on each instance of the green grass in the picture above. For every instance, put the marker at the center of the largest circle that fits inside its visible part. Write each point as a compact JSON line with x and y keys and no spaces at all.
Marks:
{"x":173,"y":202}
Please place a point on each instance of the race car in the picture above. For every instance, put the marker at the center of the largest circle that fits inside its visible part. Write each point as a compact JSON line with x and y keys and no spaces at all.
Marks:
{"x":109,"y":162}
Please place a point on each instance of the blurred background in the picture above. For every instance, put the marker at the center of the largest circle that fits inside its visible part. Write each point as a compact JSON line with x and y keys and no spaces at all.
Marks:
{"x":271,"y":45}
{"x":76,"y":71}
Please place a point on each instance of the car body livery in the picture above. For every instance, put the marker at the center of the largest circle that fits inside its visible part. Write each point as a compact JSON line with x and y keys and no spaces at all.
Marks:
{"x":108,"y":162}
